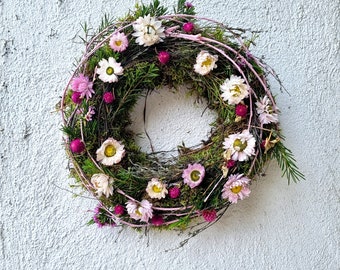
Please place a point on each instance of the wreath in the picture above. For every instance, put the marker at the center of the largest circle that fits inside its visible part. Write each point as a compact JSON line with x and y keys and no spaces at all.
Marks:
{"x":127,"y":59}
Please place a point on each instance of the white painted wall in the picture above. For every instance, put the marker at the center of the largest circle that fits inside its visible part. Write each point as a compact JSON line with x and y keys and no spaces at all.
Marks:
{"x":278,"y":227}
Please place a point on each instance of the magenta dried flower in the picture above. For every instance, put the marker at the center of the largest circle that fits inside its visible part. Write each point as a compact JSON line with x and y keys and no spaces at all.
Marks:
{"x":76,"y":97}
{"x":77,"y":146}
{"x":119,"y":209}
{"x":174,"y":192}
{"x":209,"y":215}
{"x":163,"y":57}
{"x":241,"y":110}
{"x":188,"y":27}
{"x":157,"y":220}
{"x":108,"y":97}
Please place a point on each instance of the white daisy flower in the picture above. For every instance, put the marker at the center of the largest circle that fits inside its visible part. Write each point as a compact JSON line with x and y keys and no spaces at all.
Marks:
{"x":156,"y":189}
{"x":109,"y":70}
{"x":148,"y":31}
{"x":110,"y":152}
{"x":234,"y":90}
{"x":140,"y":211}
{"x":242,"y":145}
{"x":205,"y":62}
{"x":103,"y":184}
{"x":265,"y":111}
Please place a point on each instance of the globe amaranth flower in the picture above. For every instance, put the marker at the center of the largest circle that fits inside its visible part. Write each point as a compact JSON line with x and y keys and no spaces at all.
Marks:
{"x":174,"y":192}
{"x":241,"y":145}
{"x":156,"y":189}
{"x":139,"y":211}
{"x":119,"y":210}
{"x":209,"y":215}
{"x":108,"y":97}
{"x":266,"y":112}
{"x":110,"y":152}
{"x":119,"y":42}
{"x":103,"y":184}
{"x":148,"y":31}
{"x":83,"y":85}
{"x":163,"y":57}
{"x":205,"y":62}
{"x":157,"y":220}
{"x":236,"y":188}
{"x":193,"y":175}
{"x":234,"y":90}
{"x":109,"y":70}
{"x":188,"y":27}
{"x":76,"y":97}
{"x":77,"y":146}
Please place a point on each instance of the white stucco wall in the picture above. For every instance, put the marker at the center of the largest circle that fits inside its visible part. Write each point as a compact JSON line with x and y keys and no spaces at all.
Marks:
{"x":278,"y":227}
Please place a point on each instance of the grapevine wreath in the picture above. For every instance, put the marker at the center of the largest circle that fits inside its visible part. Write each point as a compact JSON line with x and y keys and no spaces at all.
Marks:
{"x":127,"y":59}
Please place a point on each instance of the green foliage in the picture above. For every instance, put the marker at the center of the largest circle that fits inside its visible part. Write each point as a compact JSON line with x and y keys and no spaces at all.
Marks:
{"x":153,"y":9}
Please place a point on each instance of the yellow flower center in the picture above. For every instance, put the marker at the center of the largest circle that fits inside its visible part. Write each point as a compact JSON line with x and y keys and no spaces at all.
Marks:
{"x":195,"y":175}
{"x":156,"y":189}
{"x":239,"y":146}
{"x":236,"y":189}
{"x":110,"y":151}
{"x":138,"y":212}
{"x":110,"y":71}
{"x":118,"y":42}
{"x":236,"y":91}
{"x":207,"y":62}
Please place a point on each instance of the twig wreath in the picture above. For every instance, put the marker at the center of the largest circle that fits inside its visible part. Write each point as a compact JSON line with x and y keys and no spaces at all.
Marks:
{"x":146,"y":50}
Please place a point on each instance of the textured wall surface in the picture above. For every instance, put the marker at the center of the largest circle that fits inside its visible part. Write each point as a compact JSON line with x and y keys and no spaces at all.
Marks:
{"x":279,"y":227}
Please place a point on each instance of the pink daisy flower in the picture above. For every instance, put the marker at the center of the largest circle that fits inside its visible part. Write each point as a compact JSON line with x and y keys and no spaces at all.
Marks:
{"x":193,"y":175}
{"x":119,"y":42}
{"x":236,"y":188}
{"x":83,"y":85}
{"x":140,"y":211}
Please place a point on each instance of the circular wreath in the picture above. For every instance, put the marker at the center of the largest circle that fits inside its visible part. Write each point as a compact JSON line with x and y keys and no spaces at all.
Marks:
{"x":127,"y":59}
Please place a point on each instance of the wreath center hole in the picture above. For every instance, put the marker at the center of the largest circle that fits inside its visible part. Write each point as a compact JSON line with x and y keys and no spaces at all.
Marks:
{"x":167,"y":118}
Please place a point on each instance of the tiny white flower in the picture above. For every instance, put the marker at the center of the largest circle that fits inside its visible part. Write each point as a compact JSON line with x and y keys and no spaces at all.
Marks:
{"x":156,"y":189}
{"x":109,"y":70}
{"x":241,"y":145}
{"x":265,"y":111}
{"x":103,"y":184}
{"x":110,"y":152}
{"x":234,"y":90}
{"x":148,"y":31}
{"x":205,"y":62}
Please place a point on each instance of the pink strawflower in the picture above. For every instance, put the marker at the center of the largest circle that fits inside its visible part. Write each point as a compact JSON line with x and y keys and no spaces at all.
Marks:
{"x":89,"y":114}
{"x":236,"y":188}
{"x":193,"y":175}
{"x":209,"y":215}
{"x":157,"y":220}
{"x":163,"y":57}
{"x":230,"y":163}
{"x":140,"y":211}
{"x":119,"y":42}
{"x":241,"y":110}
{"x":96,"y":217}
{"x":76,"y":98}
{"x":267,"y":111}
{"x":77,"y":146}
{"x":108,"y":97}
{"x":83,"y":85}
{"x":174,"y":192}
{"x":188,"y":27}
{"x":119,"y":209}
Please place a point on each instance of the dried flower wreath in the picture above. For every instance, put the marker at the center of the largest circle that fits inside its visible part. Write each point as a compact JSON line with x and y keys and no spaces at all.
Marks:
{"x":147,"y":49}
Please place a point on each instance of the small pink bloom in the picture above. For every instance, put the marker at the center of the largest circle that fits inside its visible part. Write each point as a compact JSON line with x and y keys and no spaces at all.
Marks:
{"x":108,"y":97}
{"x":119,"y":42}
{"x":188,"y":27}
{"x":83,"y":85}
{"x":236,"y":188}
{"x":157,"y":220}
{"x":119,"y":209}
{"x":77,"y":146}
{"x":163,"y":57}
{"x":76,"y":97}
{"x":241,"y":110}
{"x":209,"y":215}
{"x":174,"y":192}
{"x":193,"y":175}
{"x":140,"y":211}
{"x":89,"y":114}
{"x":188,"y":5}
{"x":230,"y":163}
